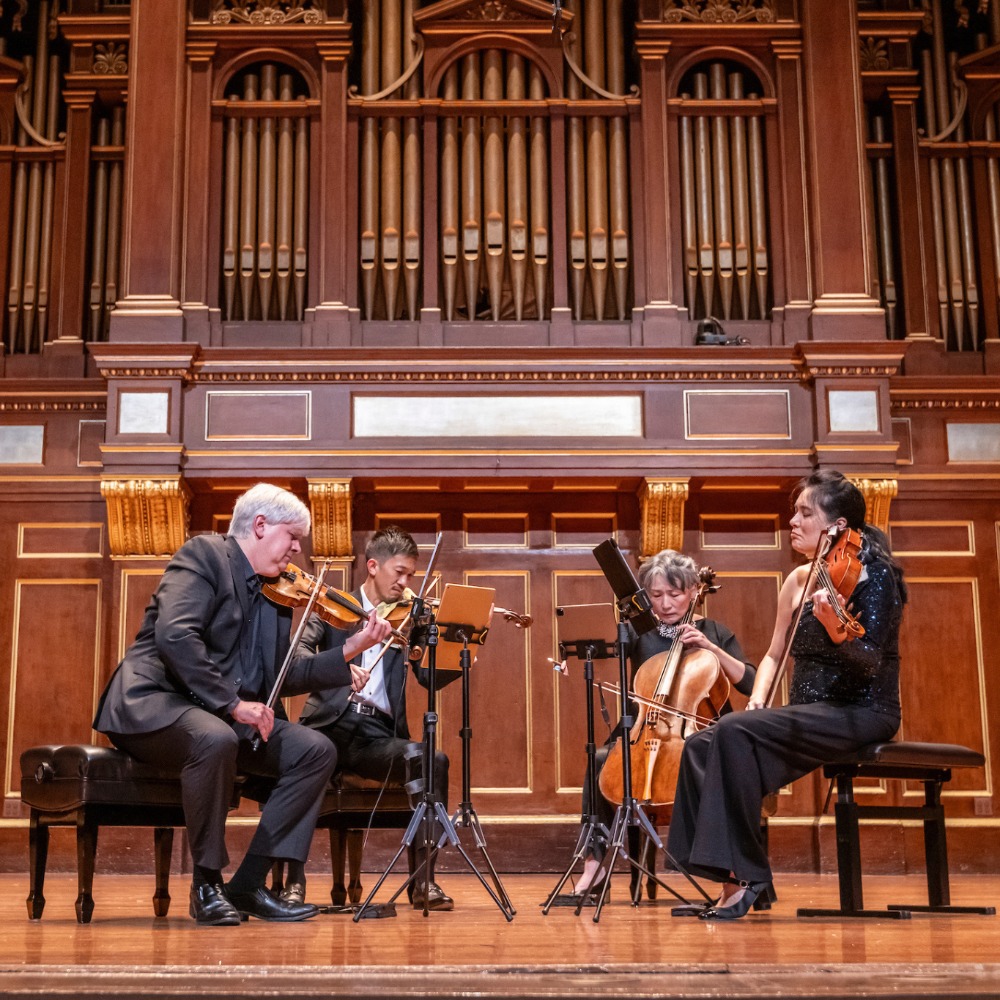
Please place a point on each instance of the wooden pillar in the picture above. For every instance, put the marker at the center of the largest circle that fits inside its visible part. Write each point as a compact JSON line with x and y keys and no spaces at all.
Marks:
{"x":662,"y":317}
{"x":69,"y":258}
{"x":336,"y":184}
{"x":149,"y":309}
{"x":840,"y":239}
{"x":914,"y":238}
{"x":198,"y":202}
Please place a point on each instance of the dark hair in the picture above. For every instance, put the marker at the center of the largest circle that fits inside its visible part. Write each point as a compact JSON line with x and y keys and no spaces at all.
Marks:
{"x":839,"y":497}
{"x":390,"y":541}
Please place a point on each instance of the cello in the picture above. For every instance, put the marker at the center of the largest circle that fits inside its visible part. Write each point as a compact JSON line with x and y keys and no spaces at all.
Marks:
{"x":677,"y":692}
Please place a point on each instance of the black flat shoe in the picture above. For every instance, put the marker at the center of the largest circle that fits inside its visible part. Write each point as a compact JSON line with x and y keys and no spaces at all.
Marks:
{"x":436,"y":897}
{"x":264,"y":906}
{"x":751,"y":890}
{"x":210,"y":906}
{"x":294,"y":892}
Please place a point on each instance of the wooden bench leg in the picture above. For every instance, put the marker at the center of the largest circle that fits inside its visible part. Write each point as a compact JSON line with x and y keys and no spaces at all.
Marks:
{"x":355,"y":845}
{"x":86,"y":852}
{"x":38,"y":856}
{"x":163,"y":843}
{"x":338,"y":861}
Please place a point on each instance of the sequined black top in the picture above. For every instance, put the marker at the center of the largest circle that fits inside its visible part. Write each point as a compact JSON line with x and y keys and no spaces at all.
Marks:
{"x":863,"y":671}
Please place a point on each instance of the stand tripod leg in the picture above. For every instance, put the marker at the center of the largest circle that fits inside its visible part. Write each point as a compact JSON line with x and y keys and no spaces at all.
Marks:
{"x":471,"y":820}
{"x":415,"y":820}
{"x":593,"y":838}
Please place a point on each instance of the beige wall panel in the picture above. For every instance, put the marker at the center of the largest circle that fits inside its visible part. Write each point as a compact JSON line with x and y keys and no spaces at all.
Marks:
{"x":942,"y":672}
{"x":932,"y":538}
{"x":734,"y":414}
{"x":500,"y":699}
{"x":582,"y":587}
{"x":740,"y":531}
{"x":56,"y":645}
{"x":37,"y":540}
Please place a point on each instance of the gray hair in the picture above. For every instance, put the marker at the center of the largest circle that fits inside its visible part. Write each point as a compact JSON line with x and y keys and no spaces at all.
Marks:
{"x":678,"y":570}
{"x":277,"y":505}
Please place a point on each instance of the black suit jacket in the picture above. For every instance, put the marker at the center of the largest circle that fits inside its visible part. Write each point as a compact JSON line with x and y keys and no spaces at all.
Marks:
{"x":325,"y":707}
{"x":193,"y":644}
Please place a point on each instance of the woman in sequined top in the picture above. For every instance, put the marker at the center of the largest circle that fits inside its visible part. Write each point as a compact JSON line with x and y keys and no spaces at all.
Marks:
{"x":844,"y":694}
{"x":671,"y":580}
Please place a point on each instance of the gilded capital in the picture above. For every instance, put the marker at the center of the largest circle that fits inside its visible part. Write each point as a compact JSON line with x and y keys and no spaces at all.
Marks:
{"x":330,"y":504}
{"x":661,"y":515}
{"x":878,"y":494}
{"x":147,"y":517}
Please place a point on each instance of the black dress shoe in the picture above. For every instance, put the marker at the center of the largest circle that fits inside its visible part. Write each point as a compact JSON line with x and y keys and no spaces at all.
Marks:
{"x":264,"y":906}
{"x":294,"y":892}
{"x":733,"y":911}
{"x":211,"y":907}
{"x":436,"y":898}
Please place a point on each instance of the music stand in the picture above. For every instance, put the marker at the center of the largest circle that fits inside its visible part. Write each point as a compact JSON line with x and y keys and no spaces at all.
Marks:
{"x":593,"y":628}
{"x":469,"y":618}
{"x":633,"y":607}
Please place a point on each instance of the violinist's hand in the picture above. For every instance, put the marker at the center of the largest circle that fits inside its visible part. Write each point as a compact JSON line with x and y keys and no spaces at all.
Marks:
{"x":359,"y":677}
{"x":256,"y":714}
{"x":826,"y":613}
{"x":375,"y":631}
{"x":755,"y":703}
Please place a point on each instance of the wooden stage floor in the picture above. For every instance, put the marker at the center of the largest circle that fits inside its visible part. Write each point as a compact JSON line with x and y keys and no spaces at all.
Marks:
{"x":474,"y":952}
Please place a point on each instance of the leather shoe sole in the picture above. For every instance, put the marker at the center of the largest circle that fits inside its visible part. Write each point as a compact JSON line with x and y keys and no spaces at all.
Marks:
{"x":210,"y":906}
{"x":264,"y":906}
{"x":436,"y":898}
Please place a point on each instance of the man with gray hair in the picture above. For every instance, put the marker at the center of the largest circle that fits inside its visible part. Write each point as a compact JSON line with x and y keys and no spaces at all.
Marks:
{"x":190,"y":693}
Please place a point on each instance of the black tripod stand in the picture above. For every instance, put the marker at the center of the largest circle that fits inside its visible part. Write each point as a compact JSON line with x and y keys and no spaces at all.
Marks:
{"x":594,"y":835}
{"x":465,"y":814}
{"x":429,"y":809}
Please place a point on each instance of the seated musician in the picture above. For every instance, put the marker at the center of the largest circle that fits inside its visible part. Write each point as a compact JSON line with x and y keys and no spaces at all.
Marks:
{"x":672,"y":582}
{"x":191,"y":690}
{"x":844,"y":694}
{"x":368,"y":727}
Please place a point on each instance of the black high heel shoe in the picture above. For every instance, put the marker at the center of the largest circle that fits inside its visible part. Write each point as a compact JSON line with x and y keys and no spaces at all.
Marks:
{"x":751,"y":890}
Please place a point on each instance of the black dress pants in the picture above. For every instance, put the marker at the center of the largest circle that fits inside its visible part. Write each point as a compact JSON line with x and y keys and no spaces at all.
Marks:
{"x":209,"y":753}
{"x":728,"y":769}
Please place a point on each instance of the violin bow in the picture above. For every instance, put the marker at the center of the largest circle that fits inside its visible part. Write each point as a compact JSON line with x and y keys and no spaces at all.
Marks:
{"x":272,"y":698}
{"x":822,"y":547}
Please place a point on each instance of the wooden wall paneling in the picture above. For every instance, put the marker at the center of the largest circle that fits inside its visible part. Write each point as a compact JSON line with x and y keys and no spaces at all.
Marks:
{"x":942,"y":674}
{"x":55,"y":671}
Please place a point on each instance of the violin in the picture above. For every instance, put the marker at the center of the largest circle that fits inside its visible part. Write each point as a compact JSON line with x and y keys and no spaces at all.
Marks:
{"x":839,"y":572}
{"x":293,"y":588}
{"x":678,"y":692}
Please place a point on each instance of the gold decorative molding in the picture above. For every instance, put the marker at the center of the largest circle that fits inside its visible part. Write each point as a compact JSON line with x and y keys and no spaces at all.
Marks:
{"x":878,"y":494}
{"x":146,"y":517}
{"x":661,"y":515}
{"x":267,"y":12}
{"x":330,"y":504}
{"x":111,"y":59}
{"x":504,"y":376}
{"x":721,"y":11}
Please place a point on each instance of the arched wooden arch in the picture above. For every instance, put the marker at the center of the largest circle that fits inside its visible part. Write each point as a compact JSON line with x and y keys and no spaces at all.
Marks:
{"x":492,"y":40}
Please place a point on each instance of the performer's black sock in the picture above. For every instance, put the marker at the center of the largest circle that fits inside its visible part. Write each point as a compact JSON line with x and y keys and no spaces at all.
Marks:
{"x":250,"y":875}
{"x":296,"y":871}
{"x":206,"y":876}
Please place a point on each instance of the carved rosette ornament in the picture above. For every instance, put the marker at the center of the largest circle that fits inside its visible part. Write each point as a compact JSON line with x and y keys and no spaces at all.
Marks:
{"x":146,"y":517}
{"x":874,"y":54}
{"x":494,"y":10}
{"x":268,"y":12}
{"x":330,"y":505}
{"x":720,"y":11}
{"x":661,"y":515}
{"x":878,"y":494}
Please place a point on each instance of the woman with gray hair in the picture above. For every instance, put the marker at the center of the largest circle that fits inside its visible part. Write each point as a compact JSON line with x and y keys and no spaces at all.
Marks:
{"x":672,"y":581}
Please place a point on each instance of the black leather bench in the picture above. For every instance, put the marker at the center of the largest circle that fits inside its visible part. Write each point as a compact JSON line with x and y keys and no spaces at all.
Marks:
{"x":88,"y":787}
{"x":931,"y":763}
